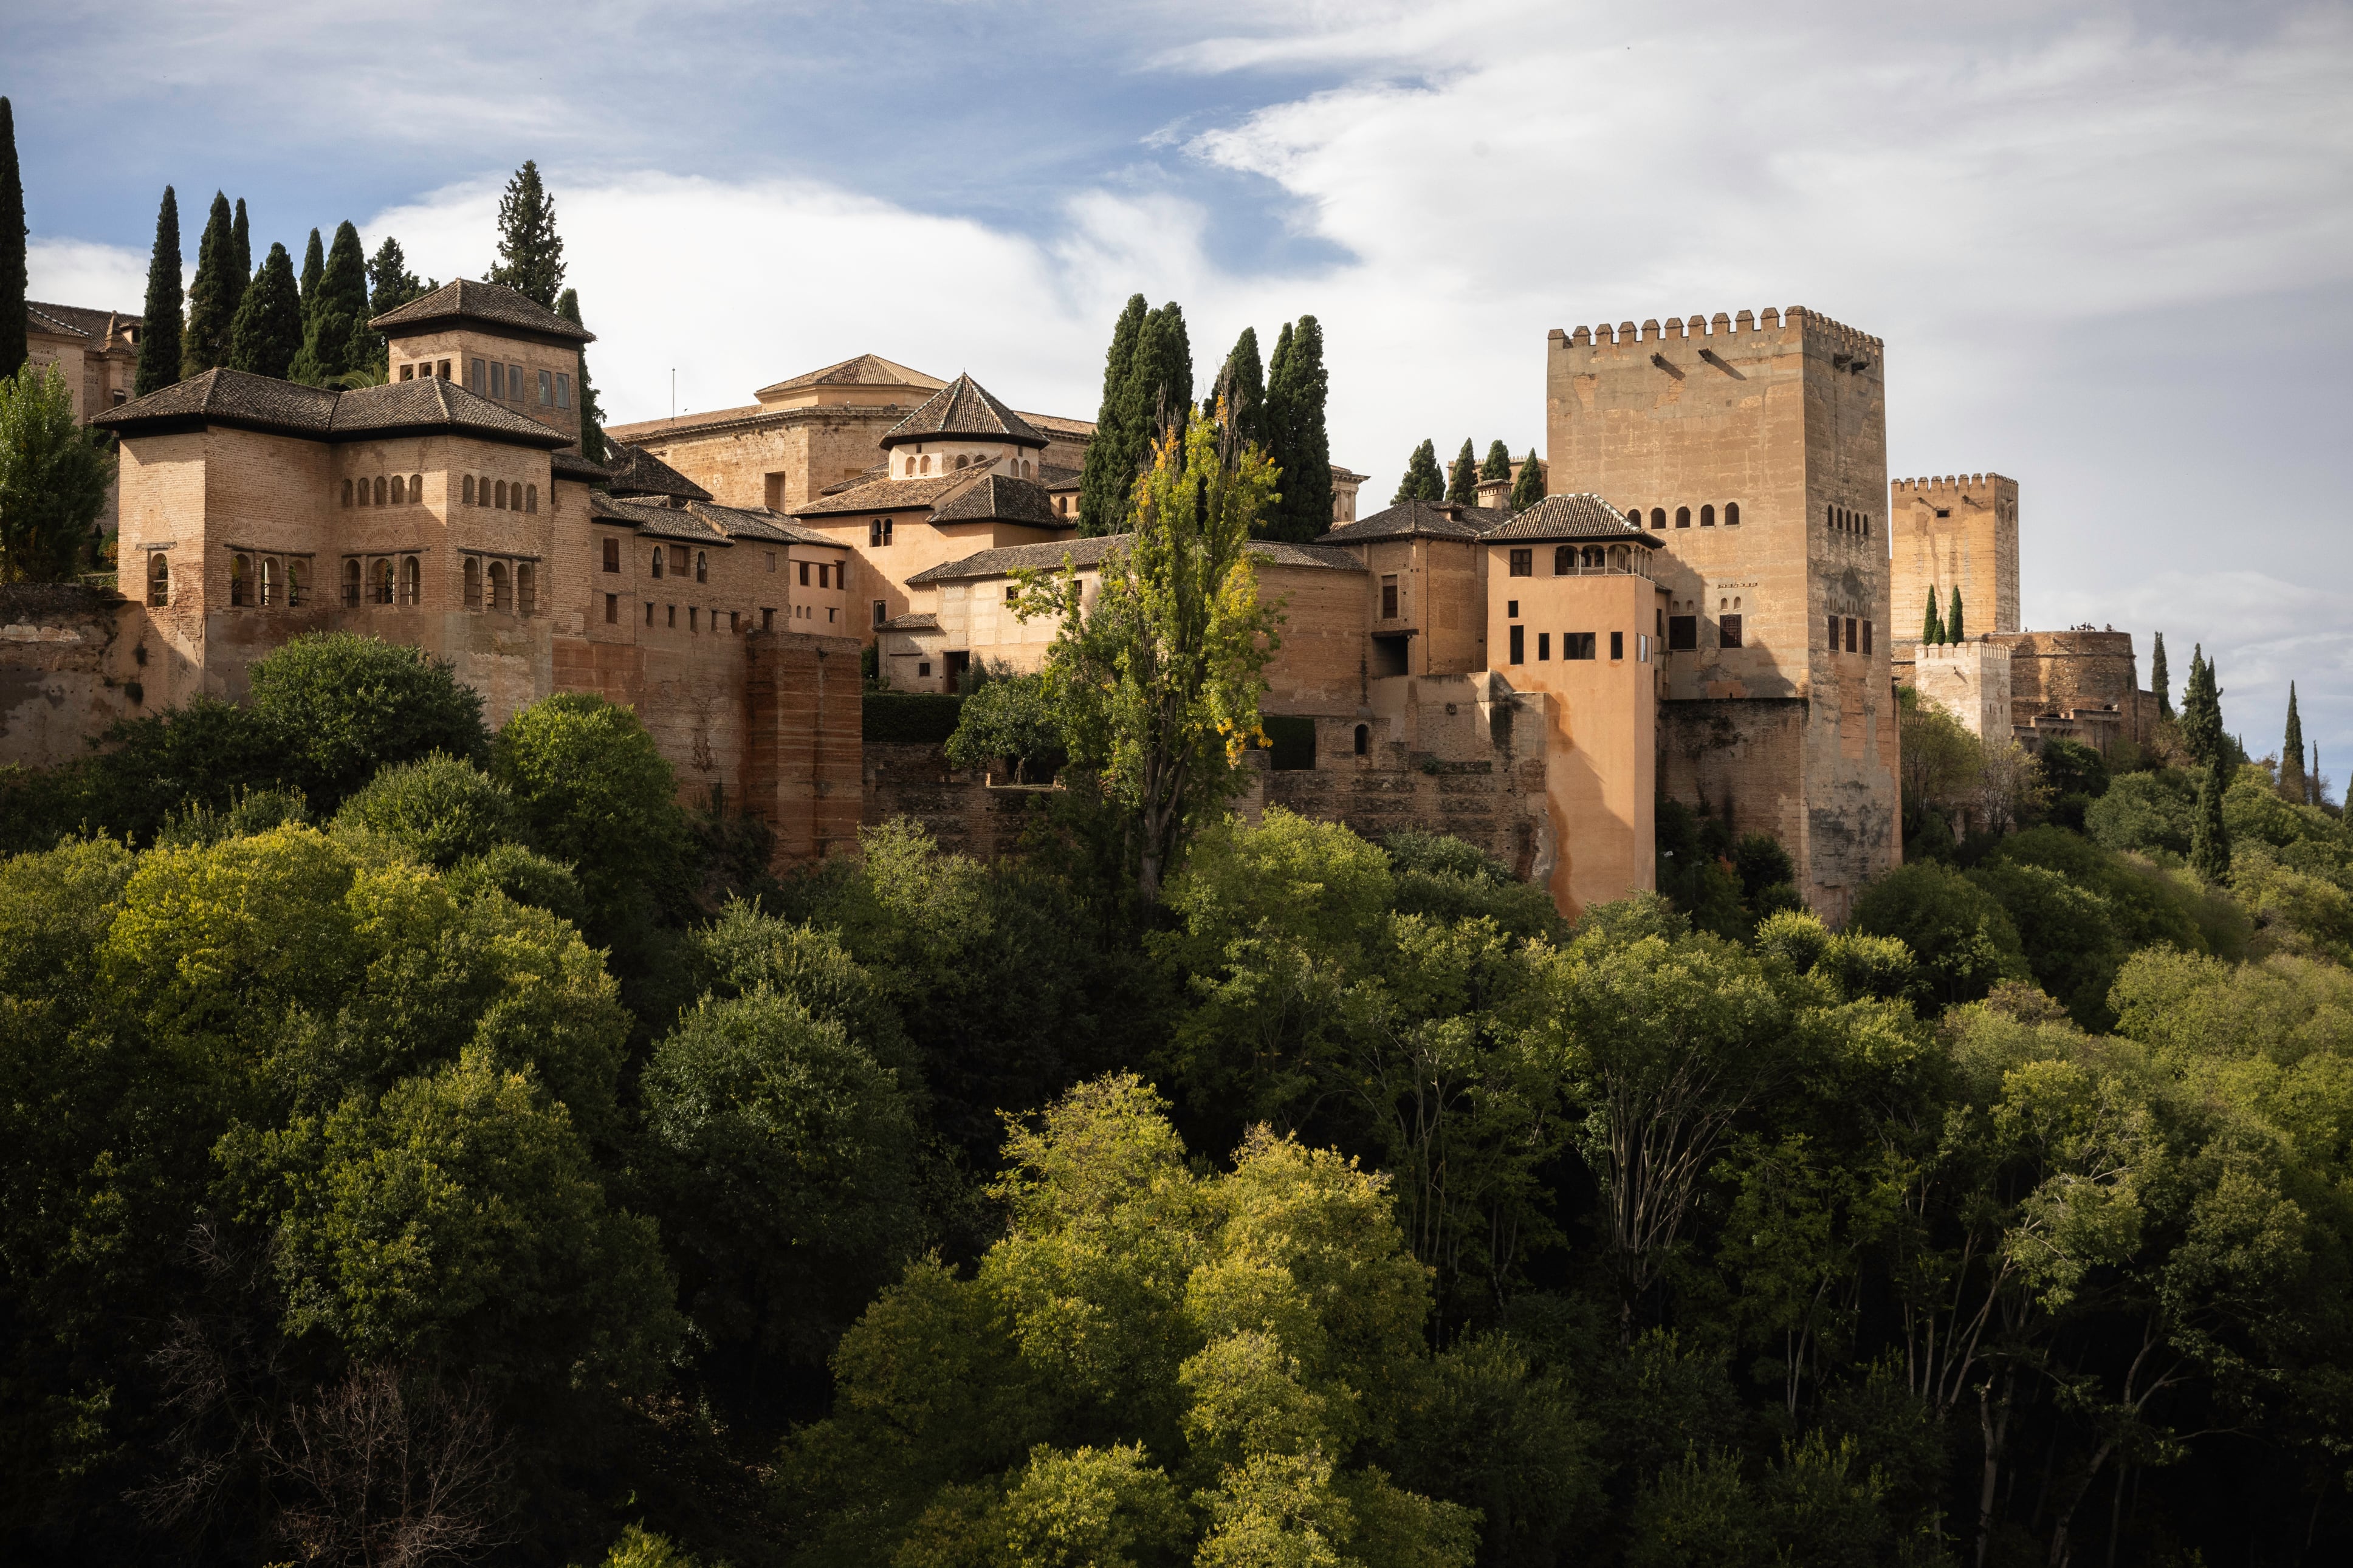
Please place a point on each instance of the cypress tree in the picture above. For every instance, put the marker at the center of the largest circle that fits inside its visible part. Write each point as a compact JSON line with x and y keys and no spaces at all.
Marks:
{"x":530,"y":253}
{"x":1953,"y":632}
{"x":1109,"y":474}
{"x":241,"y":239}
{"x":1932,"y":628}
{"x":14,"y":350}
{"x":591,"y":417}
{"x":213,"y":297}
{"x":1160,"y":382}
{"x":1462,"y":478}
{"x":1297,"y":388}
{"x":1528,"y":484}
{"x":2291,"y":776}
{"x":2210,"y":836}
{"x":338,"y":318}
{"x":1422,"y":481}
{"x":2201,"y":709}
{"x":1245,"y":380}
{"x":2160,"y":679}
{"x":159,"y":339}
{"x":268,"y":331}
{"x":391,"y":285}
{"x":314,"y":262}
{"x":1498,"y":465}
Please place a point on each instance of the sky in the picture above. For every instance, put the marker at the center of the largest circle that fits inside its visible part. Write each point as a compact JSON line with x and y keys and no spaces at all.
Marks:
{"x":2108,"y":245}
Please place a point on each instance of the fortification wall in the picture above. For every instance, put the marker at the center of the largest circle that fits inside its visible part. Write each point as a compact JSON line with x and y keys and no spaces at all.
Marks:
{"x":2056,"y":672}
{"x":1969,"y":680}
{"x":71,"y":663}
{"x":1957,"y":530}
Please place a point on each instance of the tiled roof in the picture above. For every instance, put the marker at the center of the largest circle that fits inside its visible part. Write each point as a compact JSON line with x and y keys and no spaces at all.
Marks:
{"x":1573,"y":517}
{"x":569,"y":464}
{"x":431,"y":404}
{"x":642,"y":429}
{"x":1424,"y":518}
{"x":654,"y":519}
{"x":921,"y":621}
{"x":864,"y":370}
{"x":1340,"y":473}
{"x":888,"y":495}
{"x":637,"y":472}
{"x":964,"y":407}
{"x":225,"y":397}
{"x":865,"y":476}
{"x":466,"y":299}
{"x":1061,"y":426}
{"x":1083,"y":553}
{"x":44,"y":317}
{"x":1000,"y":497}
{"x":230,"y":397}
{"x":748,"y":523}
{"x":1054,"y":476}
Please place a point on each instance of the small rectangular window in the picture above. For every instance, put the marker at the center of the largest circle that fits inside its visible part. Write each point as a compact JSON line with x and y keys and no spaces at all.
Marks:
{"x":1519,"y":645}
{"x":882,"y":612}
{"x":546,"y":390}
{"x":805,"y":576}
{"x":1524,"y":564}
{"x":671,"y":612}
{"x":1866,"y":637}
{"x":515,"y":382}
{"x":1544,"y":646}
{"x":1577,"y":645}
{"x":1617,"y":644}
{"x":734,"y":620}
{"x":772,"y":559}
{"x":612,"y":555}
{"x":1512,"y":610}
{"x":1682,"y":632}
{"x":649,"y":612}
{"x":408,"y":373}
{"x":497,"y":379}
{"x":1642,"y":647}
{"x":825,"y":574}
{"x":1563,"y":560}
{"x":1011,"y":593}
{"x":1850,"y":634}
{"x":1728,"y":631}
{"x":1389,"y":598}
{"x":612,"y":609}
{"x":443,"y":373}
{"x":480,"y":380}
{"x":767,"y":620}
{"x":563,"y":390}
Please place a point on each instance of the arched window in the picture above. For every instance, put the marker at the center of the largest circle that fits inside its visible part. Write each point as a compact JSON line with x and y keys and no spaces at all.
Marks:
{"x":473,"y":584}
{"x":399,"y":488}
{"x":502,"y":596}
{"x":1683,"y":517}
{"x":499,"y":500}
{"x":470,"y":490}
{"x":382,"y":575}
{"x":410,"y":580}
{"x":294,"y":584}
{"x":1708,"y":517}
{"x":240,"y":580}
{"x":1621,"y":557}
{"x":347,"y":492}
{"x":927,"y":465}
{"x":351,"y":585}
{"x":526,"y":598}
{"x":1658,"y":517}
{"x":530,"y":497}
{"x":159,"y":579}
{"x":658,"y":559}
{"x":482,"y":490}
{"x":267,"y":570}
{"x":1593,"y":558}
{"x":1830,"y":517}
{"x":416,"y":487}
{"x":1732,"y":515}
{"x":1364,"y":739}
{"x":379,"y":490}
{"x":702,"y":567}
{"x":1563,"y":560}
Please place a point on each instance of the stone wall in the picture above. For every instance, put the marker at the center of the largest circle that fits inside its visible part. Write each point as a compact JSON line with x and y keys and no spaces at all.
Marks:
{"x":70,"y":665}
{"x":1960,"y":530}
{"x":2059,"y":672}
{"x":1969,"y":680}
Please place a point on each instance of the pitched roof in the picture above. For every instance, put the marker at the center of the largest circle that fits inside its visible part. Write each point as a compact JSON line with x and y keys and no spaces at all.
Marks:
{"x":1083,"y":553}
{"x":655,"y":518}
{"x":889,"y":495}
{"x":637,"y":472}
{"x":236,"y":397}
{"x":1054,"y":476}
{"x":1577,"y":516}
{"x":861,"y":370}
{"x":964,"y":407}
{"x":466,"y":299}
{"x":749,"y":522}
{"x":920,"y":621}
{"x":1061,"y":426}
{"x":1280,"y":552}
{"x":1423,"y":519}
{"x":1003,"y":498}
{"x":569,"y":463}
{"x":76,"y":319}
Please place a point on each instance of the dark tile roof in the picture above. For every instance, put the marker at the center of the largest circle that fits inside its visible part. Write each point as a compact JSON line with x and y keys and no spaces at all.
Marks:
{"x":1418,"y":518}
{"x":888,"y":495}
{"x":466,"y":299}
{"x":1086,"y":553}
{"x":863,"y":369}
{"x":637,"y":472}
{"x":963,"y":408}
{"x":655,"y":518}
{"x":921,"y":621}
{"x":236,"y":397}
{"x":1061,"y":426}
{"x":1573,"y":517}
{"x":865,"y":476}
{"x":1000,"y":497}
{"x":569,"y":464}
{"x":433,"y":404}
{"x":1279,"y":553}
{"x":1054,"y":476}
{"x":748,"y":523}
{"x":79,"y":319}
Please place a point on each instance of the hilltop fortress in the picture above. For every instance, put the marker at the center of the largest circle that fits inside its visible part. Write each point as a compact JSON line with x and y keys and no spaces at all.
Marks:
{"x":1714,"y":603}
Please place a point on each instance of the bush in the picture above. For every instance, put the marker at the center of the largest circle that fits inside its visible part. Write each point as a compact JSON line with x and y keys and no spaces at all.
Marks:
{"x":1008,"y":717}
{"x":338,"y":706}
{"x":2067,"y":932}
{"x":909,"y":718}
{"x":1960,"y":934}
{"x":2146,"y":812}
{"x":441,"y":810}
{"x":1450,"y":879}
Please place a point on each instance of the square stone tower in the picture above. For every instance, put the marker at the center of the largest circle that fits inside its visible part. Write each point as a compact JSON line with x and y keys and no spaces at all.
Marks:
{"x":1756,"y":450}
{"x":1958,"y":532}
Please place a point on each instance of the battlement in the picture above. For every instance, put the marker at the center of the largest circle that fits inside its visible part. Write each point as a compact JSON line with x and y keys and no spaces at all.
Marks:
{"x":1796,"y":318}
{"x":1945,"y":487}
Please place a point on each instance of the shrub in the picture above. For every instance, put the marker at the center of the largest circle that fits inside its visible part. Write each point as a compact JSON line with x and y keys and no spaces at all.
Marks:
{"x":339,"y":706}
{"x":2147,"y":813}
{"x":1009,"y":717}
{"x":1963,"y":941}
{"x":441,"y":810}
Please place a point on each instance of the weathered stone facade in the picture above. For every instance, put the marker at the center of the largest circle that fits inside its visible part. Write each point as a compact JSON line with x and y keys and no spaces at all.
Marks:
{"x":1957,"y":531}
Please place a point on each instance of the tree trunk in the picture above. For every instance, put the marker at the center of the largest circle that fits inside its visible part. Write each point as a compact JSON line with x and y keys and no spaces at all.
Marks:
{"x":1992,"y":1430}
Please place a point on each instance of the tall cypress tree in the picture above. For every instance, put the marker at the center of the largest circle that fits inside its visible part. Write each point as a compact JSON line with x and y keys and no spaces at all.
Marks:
{"x":2160,"y":679}
{"x":1953,"y":632}
{"x":1109,"y":475}
{"x":337,"y":323}
{"x":242,"y":240}
{"x":213,"y":298}
{"x":1160,"y":382}
{"x":530,"y":253}
{"x":1528,"y":484}
{"x":268,"y":331}
{"x":1422,"y":481}
{"x":2210,"y":836}
{"x":1932,"y":626}
{"x":1498,"y":465}
{"x":314,"y":264}
{"x":1462,"y":478}
{"x":14,"y":350}
{"x":591,"y":417}
{"x":1297,"y":389}
{"x":159,"y":339}
{"x":391,"y":285}
{"x":1245,"y":381}
{"x":2290,"y":773}
{"x":2201,"y":709}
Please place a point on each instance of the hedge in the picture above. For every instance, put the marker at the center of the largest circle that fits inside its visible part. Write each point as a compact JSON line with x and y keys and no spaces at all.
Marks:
{"x":913,"y":717}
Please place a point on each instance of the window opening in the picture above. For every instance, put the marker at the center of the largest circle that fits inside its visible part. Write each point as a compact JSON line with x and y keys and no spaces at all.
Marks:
{"x":527,"y":596}
{"x":1577,"y":645}
{"x":1682,"y":632}
{"x":411,"y":580}
{"x":1616,"y":645}
{"x":1544,"y":646}
{"x":1563,"y":560}
{"x":159,"y":580}
{"x":1389,"y":598}
{"x":1732,"y":515}
{"x":612,"y":554}
{"x":1523,"y":563}
{"x":473,"y":584}
{"x":612,"y":609}
{"x":1683,"y":517}
{"x":701,"y":566}
{"x":1364,"y":739}
{"x":1728,"y":631}
{"x":240,"y":585}
{"x":1519,"y":645}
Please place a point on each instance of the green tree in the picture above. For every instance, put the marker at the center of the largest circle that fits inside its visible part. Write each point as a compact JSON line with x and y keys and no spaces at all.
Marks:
{"x":241,"y":236}
{"x":1462,"y":478}
{"x":159,"y":337}
{"x":2209,"y":834}
{"x":442,"y":810}
{"x":1160,"y":382}
{"x":1010,"y":717}
{"x":1497,"y":464}
{"x":1953,"y":628}
{"x":314,"y":267}
{"x":1966,"y":943}
{"x":1932,"y":625}
{"x":2158,"y":679}
{"x":2293,"y":783}
{"x":1298,"y":387}
{"x":336,"y":323}
{"x":13,"y":232}
{"x":592,"y":416}
{"x":1244,"y":378}
{"x":530,"y":253}
{"x":267,"y":332}
{"x":53,"y":478}
{"x":2202,"y":710}
{"x":1158,"y":681}
{"x":339,"y":706}
{"x":1422,"y":481}
{"x":391,"y":285}
{"x":1117,"y":452}
{"x":1528,"y":486}
{"x":213,"y":298}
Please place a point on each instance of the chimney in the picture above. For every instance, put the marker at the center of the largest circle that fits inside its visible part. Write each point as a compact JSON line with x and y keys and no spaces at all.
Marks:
{"x":1495,"y":494}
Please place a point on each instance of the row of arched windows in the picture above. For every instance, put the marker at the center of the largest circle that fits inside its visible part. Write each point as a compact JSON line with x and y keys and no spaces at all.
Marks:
{"x":1683,"y":516}
{"x":502,"y":495}
{"x":1842,"y":520}
{"x":378,"y":583}
{"x":509,"y":589}
{"x":669,"y":559}
{"x":1018,"y":467}
{"x":255,"y":582}
{"x":396,"y":492}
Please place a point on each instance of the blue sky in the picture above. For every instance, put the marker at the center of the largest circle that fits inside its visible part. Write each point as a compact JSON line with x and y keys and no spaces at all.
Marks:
{"x":2107,"y":244}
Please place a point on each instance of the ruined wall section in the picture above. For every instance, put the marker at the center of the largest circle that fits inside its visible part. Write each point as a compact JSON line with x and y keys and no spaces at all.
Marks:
{"x":71,"y":663}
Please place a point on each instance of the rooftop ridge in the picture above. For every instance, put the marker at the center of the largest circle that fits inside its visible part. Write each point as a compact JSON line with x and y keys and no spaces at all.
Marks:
{"x":1771,"y":318}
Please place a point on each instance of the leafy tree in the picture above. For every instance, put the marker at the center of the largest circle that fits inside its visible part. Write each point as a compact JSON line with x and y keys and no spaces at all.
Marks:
{"x":2159,"y":679}
{"x":1497,"y":464}
{"x":240,"y":235}
{"x":1010,"y":717}
{"x":1689,"y":851}
{"x":530,"y":253}
{"x":1953,"y":630}
{"x":2145,"y":812}
{"x":1117,"y":451}
{"x":592,"y":416}
{"x":1159,"y":680}
{"x":268,"y":331}
{"x":1422,"y":481}
{"x":441,"y":810}
{"x":2293,"y":783}
{"x":1528,"y":486}
{"x":53,"y":478}
{"x":2075,"y":775}
{"x":1298,"y":385}
{"x":1462,"y":478}
{"x":1245,"y":378}
{"x":2209,"y":834}
{"x":2066,"y":932}
{"x":13,"y":233}
{"x":159,"y":337}
{"x":391,"y":285}
{"x":1932,"y":626}
{"x":335,"y":329}
{"x":1965,"y":941}
{"x":1159,"y":392}
{"x":2202,"y":710}
{"x":338,"y":706}
{"x":214,"y":297}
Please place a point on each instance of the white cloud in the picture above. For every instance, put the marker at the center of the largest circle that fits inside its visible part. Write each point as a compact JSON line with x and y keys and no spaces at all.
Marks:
{"x":77,"y":272}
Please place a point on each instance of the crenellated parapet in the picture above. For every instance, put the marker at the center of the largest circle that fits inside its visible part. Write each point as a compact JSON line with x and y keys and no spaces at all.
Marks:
{"x":1783,"y":325}
{"x":1944,"y":489}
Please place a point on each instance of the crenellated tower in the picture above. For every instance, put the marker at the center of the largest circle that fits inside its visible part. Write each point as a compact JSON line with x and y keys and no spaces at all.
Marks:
{"x":1957,"y":531}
